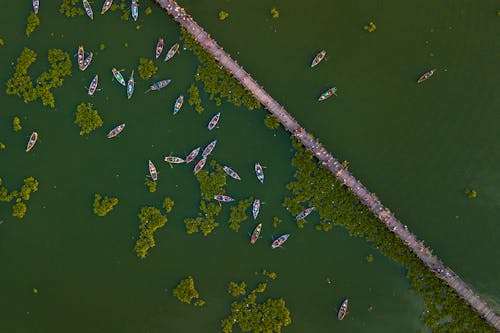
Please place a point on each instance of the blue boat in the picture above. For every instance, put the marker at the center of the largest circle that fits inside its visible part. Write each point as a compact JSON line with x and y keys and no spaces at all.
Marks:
{"x":134,"y":8}
{"x":178,"y":104}
{"x":159,"y":85}
{"x":303,"y":214}
{"x":259,"y":172}
{"x":130,"y":86}
{"x":93,"y":85}
{"x":255,"y":208}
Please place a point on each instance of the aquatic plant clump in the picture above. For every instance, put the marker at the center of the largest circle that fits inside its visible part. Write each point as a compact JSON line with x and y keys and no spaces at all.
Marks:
{"x":223,"y":15}
{"x":185,"y":292}
{"x":370,"y":27}
{"x":33,"y":23}
{"x":271,"y":121}
{"x":20,"y":83}
{"x":151,"y":184}
{"x":16,"y":124}
{"x":470,"y":193}
{"x":274,"y":13}
{"x":194,"y":98}
{"x":238,"y":214}
{"x":151,"y":219}
{"x":146,"y":68}
{"x":2,"y":146}
{"x":234,"y":289}
{"x":19,"y":208}
{"x":71,"y":8}
{"x":103,"y":205}
{"x":87,"y":118}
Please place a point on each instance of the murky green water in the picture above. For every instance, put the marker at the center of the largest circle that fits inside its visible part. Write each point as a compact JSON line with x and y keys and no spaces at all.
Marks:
{"x":417,"y":146}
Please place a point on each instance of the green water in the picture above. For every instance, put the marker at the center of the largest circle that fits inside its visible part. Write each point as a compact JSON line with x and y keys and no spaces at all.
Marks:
{"x":416,"y":146}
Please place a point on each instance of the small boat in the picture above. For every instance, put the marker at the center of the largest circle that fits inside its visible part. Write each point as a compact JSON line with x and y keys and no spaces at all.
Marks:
{"x":115,"y":131}
{"x":213,"y":122}
{"x":174,"y":160}
{"x":171,"y":52}
{"x":152,"y":171}
{"x":223,"y":198}
{"x":159,"y":85}
{"x":130,"y":85}
{"x":36,"y":6}
{"x":320,"y":56}
{"x":178,"y":104}
{"x":200,"y":165}
{"x":259,"y":172}
{"x":256,"y":233}
{"x":231,"y":172}
{"x":327,"y":94}
{"x":31,"y":141}
{"x":118,"y":76}
{"x":93,"y":85}
{"x":279,"y":242}
{"x":343,"y":309}
{"x":192,"y":155}
{"x":134,"y":8}
{"x":159,"y":48}
{"x":426,"y":76}
{"x":88,"y":9}
{"x":208,"y":149}
{"x":86,"y":62}
{"x":255,"y":208}
{"x":106,"y":6}
{"x":303,"y":214}
{"x":80,"y":56}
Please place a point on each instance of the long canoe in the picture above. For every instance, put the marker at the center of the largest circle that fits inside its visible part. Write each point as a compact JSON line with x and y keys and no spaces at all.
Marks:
{"x":31,"y":141}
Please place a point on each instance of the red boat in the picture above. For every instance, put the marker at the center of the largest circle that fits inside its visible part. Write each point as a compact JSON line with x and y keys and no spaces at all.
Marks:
{"x":213,"y":122}
{"x":159,"y":85}
{"x":208,"y":149}
{"x":192,"y":155}
{"x":152,"y":171}
{"x":93,"y":85}
{"x":303,"y":214}
{"x":255,"y":208}
{"x":200,"y":165}
{"x":159,"y":47}
{"x":31,"y":141}
{"x":223,"y":198}
{"x":279,"y":242}
{"x":259,"y":172}
{"x":115,"y":131}
{"x":256,"y":233}
{"x":173,"y":160}
{"x":426,"y":76}
{"x":231,"y":172}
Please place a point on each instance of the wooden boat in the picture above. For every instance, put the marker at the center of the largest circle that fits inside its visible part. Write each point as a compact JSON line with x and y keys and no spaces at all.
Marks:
{"x":192,"y":155}
{"x":86,"y":61}
{"x":130,"y":85}
{"x":231,"y":173}
{"x":80,"y":56}
{"x":178,"y":104}
{"x":173,"y":160}
{"x":343,"y":309}
{"x":213,"y":122}
{"x":106,"y":6}
{"x":36,"y":6}
{"x":115,"y":131}
{"x":304,"y":213}
{"x":171,"y":52}
{"x":200,"y":165}
{"x":93,"y":85}
{"x":118,"y":76}
{"x":88,"y":9}
{"x":134,"y":8}
{"x":159,"y":48}
{"x":255,"y":208}
{"x":256,"y":233}
{"x":259,"y":172}
{"x":320,"y":56}
{"x":327,"y":94}
{"x":223,"y":198}
{"x":31,"y":141}
{"x":279,"y":242}
{"x":159,"y":85}
{"x":208,"y":149}
{"x":427,"y":75}
{"x":152,"y":171}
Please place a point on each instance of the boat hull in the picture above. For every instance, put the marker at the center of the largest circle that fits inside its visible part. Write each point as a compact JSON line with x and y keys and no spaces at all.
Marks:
{"x":115,"y":131}
{"x":426,"y":76}
{"x":256,"y":234}
{"x":259,"y":172}
{"x":152,"y":171}
{"x":213,"y":122}
{"x":31,"y":141}
{"x":192,"y":155}
{"x":343,"y":309}
{"x":317,"y":59}
{"x":280,"y":241}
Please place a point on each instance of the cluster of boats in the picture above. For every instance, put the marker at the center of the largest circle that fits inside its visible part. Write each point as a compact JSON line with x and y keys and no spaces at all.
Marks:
{"x":134,"y":8}
{"x":171,"y":52}
{"x":331,"y":91}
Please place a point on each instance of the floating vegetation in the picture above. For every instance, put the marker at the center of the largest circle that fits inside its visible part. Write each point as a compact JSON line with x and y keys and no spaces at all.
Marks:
{"x":194,"y":98}
{"x":370,"y":27}
{"x":223,"y":15}
{"x":103,"y":205}
{"x":186,"y":292}
{"x":124,"y":8}
{"x":151,"y":184}
{"x":2,"y":146}
{"x":274,"y":13}
{"x":239,"y":214}
{"x":271,"y":121}
{"x":369,"y":258}
{"x":19,"y":208}
{"x":151,"y":220}
{"x":102,"y":46}
{"x":234,"y":289}
{"x":276,"y":221}
{"x":148,"y":11}
{"x":33,"y":23}
{"x":146,"y":68}
{"x":71,"y":8}
{"x":87,"y":118}
{"x":270,"y":274}
{"x":217,"y":82}
{"x":470,"y":193}
{"x":168,"y":204}
{"x":16,"y":124}
{"x":2,"y":42}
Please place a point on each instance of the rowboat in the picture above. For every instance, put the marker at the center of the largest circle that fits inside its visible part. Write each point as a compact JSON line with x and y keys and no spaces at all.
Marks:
{"x":256,"y":233}
{"x":80,"y":56}
{"x":259,"y":172}
{"x":231,"y":172}
{"x":159,"y":48}
{"x":171,"y":52}
{"x":223,"y":198}
{"x":86,"y":62}
{"x":343,"y":309}
{"x":107,"y":5}
{"x":115,"y":131}
{"x":327,"y":94}
{"x":159,"y":85}
{"x":36,"y":6}
{"x":255,"y":208}
{"x":31,"y":141}
{"x":200,"y":165}
{"x":118,"y":76}
{"x":152,"y":171}
{"x":426,"y":75}
{"x":208,"y":149}
{"x":93,"y":85}
{"x":279,"y":242}
{"x":173,"y":160}
{"x":88,"y":9}
{"x":130,"y":85}
{"x":192,"y":155}
{"x":320,"y":56}
{"x":134,"y":8}
{"x":304,"y":213}
{"x":213,"y":122}
{"x":178,"y":104}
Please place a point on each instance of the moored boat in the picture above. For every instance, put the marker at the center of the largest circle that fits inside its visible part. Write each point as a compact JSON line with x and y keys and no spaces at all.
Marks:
{"x":255,"y":208}
{"x":86,"y":62}
{"x":327,"y":94}
{"x":106,"y":6}
{"x":159,"y":47}
{"x":80,"y":56}
{"x":159,"y":85}
{"x":88,"y":9}
{"x":118,"y":76}
{"x":304,"y":213}
{"x":134,"y":8}
{"x":31,"y":141}
{"x":427,"y":75}
{"x":208,"y":149}
{"x":152,"y":171}
{"x":192,"y":155}
{"x":280,"y":241}
{"x":36,"y":6}
{"x":259,"y":172}
{"x":115,"y":131}
{"x":130,"y":85}
{"x":231,"y":173}
{"x":223,"y":198}
{"x":213,"y":122}
{"x":93,"y":85}
{"x":174,"y":160}
{"x":320,"y":56}
{"x":171,"y":52}
{"x":256,"y":233}
{"x":178,"y":104}
{"x":200,"y":165}
{"x":343,"y":309}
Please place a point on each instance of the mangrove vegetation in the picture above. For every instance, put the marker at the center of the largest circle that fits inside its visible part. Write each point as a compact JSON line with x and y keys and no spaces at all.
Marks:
{"x":151,"y":184}
{"x":103,"y":205}
{"x":33,"y":23}
{"x":237,"y":289}
{"x":87,"y":118}
{"x":271,"y":121}
{"x":146,"y":68}
{"x":19,"y":208}
{"x":186,"y":292}
{"x":16,"y":124}
{"x":71,"y":8}
{"x":194,"y":98}
{"x":151,"y":219}
{"x":239,"y":213}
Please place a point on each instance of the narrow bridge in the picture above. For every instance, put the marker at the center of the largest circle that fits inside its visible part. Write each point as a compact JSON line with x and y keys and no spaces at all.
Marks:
{"x":369,"y":199}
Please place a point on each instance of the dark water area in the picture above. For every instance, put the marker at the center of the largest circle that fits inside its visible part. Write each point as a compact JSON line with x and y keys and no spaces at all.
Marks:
{"x":416,"y":146}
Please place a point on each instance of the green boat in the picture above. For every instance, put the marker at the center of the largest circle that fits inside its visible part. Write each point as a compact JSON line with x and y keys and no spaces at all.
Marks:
{"x":118,"y":76}
{"x":327,"y":94}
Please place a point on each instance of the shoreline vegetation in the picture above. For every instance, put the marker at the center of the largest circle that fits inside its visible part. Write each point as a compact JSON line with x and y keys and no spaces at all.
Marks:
{"x":19,"y":208}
